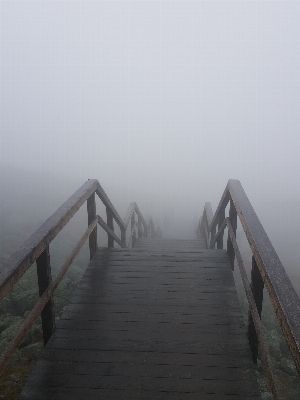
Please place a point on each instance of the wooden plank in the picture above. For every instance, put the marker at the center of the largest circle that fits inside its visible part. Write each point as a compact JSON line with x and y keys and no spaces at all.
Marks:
{"x":111,"y":365}
{"x":63,"y":393}
{"x":133,"y":329}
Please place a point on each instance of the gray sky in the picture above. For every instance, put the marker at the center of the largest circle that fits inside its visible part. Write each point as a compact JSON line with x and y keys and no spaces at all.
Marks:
{"x":168,"y":99}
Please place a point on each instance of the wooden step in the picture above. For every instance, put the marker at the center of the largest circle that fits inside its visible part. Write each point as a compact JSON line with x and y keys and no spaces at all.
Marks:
{"x":160,"y":321}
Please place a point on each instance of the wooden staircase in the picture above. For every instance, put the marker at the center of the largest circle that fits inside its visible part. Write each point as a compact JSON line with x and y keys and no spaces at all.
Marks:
{"x":154,"y":318}
{"x":157,"y":321}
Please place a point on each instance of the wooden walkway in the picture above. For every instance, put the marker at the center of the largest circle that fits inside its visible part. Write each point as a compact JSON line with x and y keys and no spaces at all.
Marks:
{"x":159,"y":321}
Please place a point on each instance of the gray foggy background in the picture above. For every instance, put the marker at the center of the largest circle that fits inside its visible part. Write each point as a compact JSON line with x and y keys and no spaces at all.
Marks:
{"x":161,"y":101}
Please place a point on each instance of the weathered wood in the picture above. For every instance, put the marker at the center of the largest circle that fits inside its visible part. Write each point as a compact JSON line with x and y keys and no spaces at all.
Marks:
{"x":133,"y":226}
{"x":110,"y":232}
{"x":266,"y":359}
{"x":139,"y":226}
{"x":283,"y":296}
{"x":21,"y":260}
{"x":284,"y":299}
{"x":36,"y":248}
{"x":106,"y":201}
{"x":257,"y":287}
{"x":206,"y":223}
{"x":156,"y":336}
{"x":91,"y":210}
{"x":110,"y":224}
{"x":233,"y":221}
{"x":131,"y":239}
{"x":141,"y":220}
{"x":123,"y":235}
{"x":218,"y":235}
{"x":44,"y":280}
{"x":222,"y":205}
{"x":221,"y":220}
{"x":129,"y":213}
{"x":209,"y":213}
{"x":132,"y":209}
{"x":213,"y":232}
{"x":43,"y":300}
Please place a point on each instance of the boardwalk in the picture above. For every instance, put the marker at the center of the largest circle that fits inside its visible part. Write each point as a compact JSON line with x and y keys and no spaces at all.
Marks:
{"x":159,"y":321}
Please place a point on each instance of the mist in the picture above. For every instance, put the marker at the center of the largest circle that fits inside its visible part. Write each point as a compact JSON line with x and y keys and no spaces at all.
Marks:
{"x":162,"y":102}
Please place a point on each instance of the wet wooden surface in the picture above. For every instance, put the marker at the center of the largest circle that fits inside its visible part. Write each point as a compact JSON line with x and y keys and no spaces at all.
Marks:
{"x":160,"y":321}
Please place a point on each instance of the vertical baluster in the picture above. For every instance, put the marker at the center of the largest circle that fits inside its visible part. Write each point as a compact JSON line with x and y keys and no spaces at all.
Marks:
{"x":233,"y":221}
{"x":123,"y":235}
{"x":145,"y":230}
{"x":221,"y":218}
{"x":132,"y":225}
{"x":91,"y":210}
{"x":212,"y":237}
{"x":110,"y":223}
{"x":44,"y":280}
{"x":140,"y":233}
{"x":257,"y":287}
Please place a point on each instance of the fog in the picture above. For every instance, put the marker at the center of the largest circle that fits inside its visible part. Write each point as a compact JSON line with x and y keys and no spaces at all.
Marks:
{"x":161,"y":101}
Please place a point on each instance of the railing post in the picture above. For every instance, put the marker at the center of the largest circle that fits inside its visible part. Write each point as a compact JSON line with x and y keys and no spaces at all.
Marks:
{"x":110,"y":223}
{"x":44,"y":280}
{"x":133,"y":238}
{"x":123,"y":235}
{"x":212,"y":237}
{"x":140,"y":233}
{"x":91,"y":210}
{"x":221,"y":218}
{"x":257,"y":287}
{"x":233,"y":221}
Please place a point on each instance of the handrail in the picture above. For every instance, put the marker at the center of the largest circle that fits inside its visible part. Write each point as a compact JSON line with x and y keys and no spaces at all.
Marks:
{"x":205,"y":222}
{"x":36,"y":248}
{"x":267,"y":268}
{"x":13,"y":269}
{"x":141,"y":225}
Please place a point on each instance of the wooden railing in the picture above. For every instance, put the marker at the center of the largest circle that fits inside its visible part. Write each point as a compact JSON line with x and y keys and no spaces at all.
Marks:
{"x":267,"y":270}
{"x":36,"y":248}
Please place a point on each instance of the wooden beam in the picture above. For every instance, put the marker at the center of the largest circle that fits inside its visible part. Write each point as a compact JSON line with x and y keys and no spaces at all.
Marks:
{"x":13,"y":269}
{"x":91,"y":210}
{"x":108,"y":230}
{"x":44,"y":280}
{"x":43,"y":300}
{"x":283,"y":296}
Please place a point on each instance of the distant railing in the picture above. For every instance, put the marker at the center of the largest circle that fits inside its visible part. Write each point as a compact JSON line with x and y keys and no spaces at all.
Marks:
{"x":36,"y":248}
{"x":267,"y":270}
